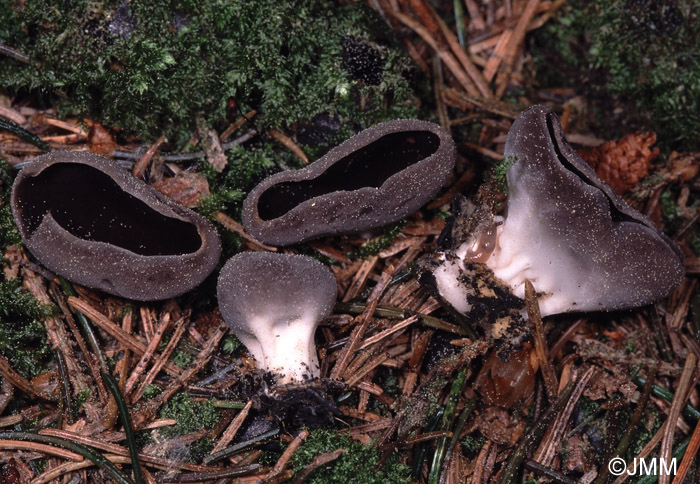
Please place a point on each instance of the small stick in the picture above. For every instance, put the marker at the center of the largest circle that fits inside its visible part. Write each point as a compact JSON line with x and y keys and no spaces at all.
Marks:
{"x":533,"y":312}
{"x":514,"y":42}
{"x":145,"y":358}
{"x":140,"y":167}
{"x":545,"y":453}
{"x":363,"y":321}
{"x":689,"y":455}
{"x":36,"y":447}
{"x":461,"y":55}
{"x":115,"y":331}
{"x":158,"y":365}
{"x":67,"y":126}
{"x":234,"y":226}
{"x":16,"y":379}
{"x":682,"y":393}
{"x":383,"y":334}
{"x":236,"y":125}
{"x":360,"y":277}
{"x":289,"y":451}
{"x":232,"y":429}
{"x":149,"y":409}
{"x":12,"y":115}
{"x":122,"y":451}
{"x":446,"y":57}
{"x":289,"y":144}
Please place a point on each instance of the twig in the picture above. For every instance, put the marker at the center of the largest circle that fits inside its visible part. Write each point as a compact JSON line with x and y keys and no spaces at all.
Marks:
{"x":289,"y":451}
{"x":387,"y":332}
{"x":126,"y":424}
{"x":513,"y":45}
{"x":84,"y":451}
{"x":682,"y":392}
{"x":237,"y":228}
{"x":518,"y":455}
{"x":289,"y":144}
{"x":149,"y":409}
{"x":180,"y":327}
{"x":140,"y":167}
{"x":446,"y":57}
{"x":631,"y":427}
{"x":232,"y":429}
{"x":236,"y":125}
{"x":43,"y":448}
{"x":115,"y":331}
{"x":146,"y":357}
{"x":360,"y":277}
{"x":122,"y":451}
{"x":399,"y":313}
{"x":363,"y":321}
{"x":459,"y":52}
{"x":533,"y":312}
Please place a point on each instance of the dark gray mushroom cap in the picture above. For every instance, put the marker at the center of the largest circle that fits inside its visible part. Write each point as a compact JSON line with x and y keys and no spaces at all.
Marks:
{"x":378,"y":176}
{"x":273,"y":303}
{"x":570,"y":234}
{"x":93,"y":223}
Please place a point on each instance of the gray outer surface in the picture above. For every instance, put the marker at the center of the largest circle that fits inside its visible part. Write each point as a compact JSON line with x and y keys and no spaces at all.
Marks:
{"x":108,"y":267}
{"x":631,"y":263}
{"x":341,"y":212}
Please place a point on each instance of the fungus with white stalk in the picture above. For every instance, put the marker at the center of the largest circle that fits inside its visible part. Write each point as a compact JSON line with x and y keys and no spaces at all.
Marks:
{"x":273,"y":303}
{"x":582,"y":247}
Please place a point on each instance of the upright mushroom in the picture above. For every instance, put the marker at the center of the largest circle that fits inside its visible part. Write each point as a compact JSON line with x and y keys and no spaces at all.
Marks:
{"x":93,"y":223}
{"x":378,"y":176}
{"x":582,"y":247}
{"x":273,"y":303}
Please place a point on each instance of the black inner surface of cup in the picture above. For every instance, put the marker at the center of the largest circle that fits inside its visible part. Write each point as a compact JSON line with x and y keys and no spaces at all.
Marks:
{"x":90,"y":205}
{"x":369,"y":166}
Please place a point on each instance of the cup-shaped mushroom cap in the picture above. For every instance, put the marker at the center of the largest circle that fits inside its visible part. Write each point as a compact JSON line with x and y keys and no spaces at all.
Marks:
{"x":273,"y":303}
{"x":93,"y":223}
{"x":378,"y":176}
{"x":582,"y":247}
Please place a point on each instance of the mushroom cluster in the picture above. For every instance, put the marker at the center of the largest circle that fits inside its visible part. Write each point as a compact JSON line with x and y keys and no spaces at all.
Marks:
{"x":582,"y":247}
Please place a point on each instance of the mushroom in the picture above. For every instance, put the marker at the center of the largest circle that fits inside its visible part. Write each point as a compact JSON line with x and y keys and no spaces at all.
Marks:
{"x":378,"y":176}
{"x":582,"y":247}
{"x":93,"y":223}
{"x":273,"y":303}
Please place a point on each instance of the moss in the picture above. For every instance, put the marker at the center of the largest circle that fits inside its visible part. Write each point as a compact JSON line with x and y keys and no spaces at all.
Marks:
{"x":8,"y":231}
{"x":376,"y":245}
{"x":498,"y":173}
{"x":22,"y":333}
{"x":152,"y":67}
{"x":191,"y":416}
{"x":644,"y":51}
{"x":182,"y":359}
{"x":151,"y":391}
{"x":356,"y":466}
{"x":473,"y":444}
{"x":231,"y":344}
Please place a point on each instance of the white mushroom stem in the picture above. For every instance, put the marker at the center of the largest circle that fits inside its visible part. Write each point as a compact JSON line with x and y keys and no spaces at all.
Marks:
{"x":285,"y":347}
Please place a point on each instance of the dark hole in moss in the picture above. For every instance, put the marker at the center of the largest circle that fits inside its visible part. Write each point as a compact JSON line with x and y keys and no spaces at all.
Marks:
{"x":91,"y":206}
{"x":370,"y":166}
